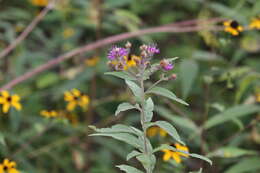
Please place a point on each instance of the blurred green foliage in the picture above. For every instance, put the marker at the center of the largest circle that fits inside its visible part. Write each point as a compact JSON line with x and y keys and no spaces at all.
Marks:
{"x":217,"y":74}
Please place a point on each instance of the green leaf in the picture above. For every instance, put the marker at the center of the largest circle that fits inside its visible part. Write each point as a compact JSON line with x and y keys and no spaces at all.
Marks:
{"x":123,"y":107}
{"x":118,"y":128}
{"x":122,"y":75}
{"x":178,"y":120}
{"x":148,"y":161}
{"x":169,"y":129}
{"x":229,"y":152}
{"x":188,"y":72}
{"x":201,"y":157}
{"x":148,"y":110}
{"x":166,"y":93}
{"x":137,"y":91}
{"x":46,"y":80}
{"x":230,"y":114}
{"x":134,"y":153}
{"x":166,"y":147}
{"x":2,"y":139}
{"x":128,"y":169}
{"x":125,"y":137}
{"x":246,"y":165}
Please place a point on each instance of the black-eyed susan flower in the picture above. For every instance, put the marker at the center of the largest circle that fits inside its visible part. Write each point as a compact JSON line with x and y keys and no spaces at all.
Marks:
{"x":168,"y":154}
{"x":40,"y":3}
{"x":255,"y":23}
{"x":49,"y":114}
{"x":92,"y":61}
{"x":154,"y":130}
{"x":74,"y":98}
{"x":131,"y":61}
{"x":68,"y":32}
{"x":8,"y":167}
{"x":8,"y":101}
{"x":233,"y":27}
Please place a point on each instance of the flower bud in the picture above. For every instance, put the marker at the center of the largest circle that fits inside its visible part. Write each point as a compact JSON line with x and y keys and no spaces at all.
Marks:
{"x":166,"y":65}
{"x":128,"y":45}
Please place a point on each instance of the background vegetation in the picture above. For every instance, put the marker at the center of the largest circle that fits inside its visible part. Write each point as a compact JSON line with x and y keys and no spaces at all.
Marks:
{"x":217,"y":74}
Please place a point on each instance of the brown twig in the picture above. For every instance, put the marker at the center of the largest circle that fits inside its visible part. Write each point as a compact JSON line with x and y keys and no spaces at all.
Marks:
{"x":101,"y":43}
{"x":27,"y":30}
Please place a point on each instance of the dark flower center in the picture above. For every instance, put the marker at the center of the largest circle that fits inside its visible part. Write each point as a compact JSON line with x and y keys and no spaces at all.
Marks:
{"x":234,"y":24}
{"x":5,"y":168}
{"x":9,"y":99}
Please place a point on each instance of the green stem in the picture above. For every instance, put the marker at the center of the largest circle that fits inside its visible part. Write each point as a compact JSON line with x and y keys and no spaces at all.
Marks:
{"x":146,"y":151}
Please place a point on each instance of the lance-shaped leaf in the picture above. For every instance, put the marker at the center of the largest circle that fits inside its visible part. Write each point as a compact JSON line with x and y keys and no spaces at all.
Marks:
{"x":229,"y":152}
{"x":122,"y":75}
{"x":201,"y":157}
{"x":230,"y":114}
{"x":125,"y":137}
{"x":118,"y":128}
{"x":132,"y":154}
{"x":166,"y":93}
{"x":169,"y":129}
{"x":148,"y":161}
{"x":188,"y":72}
{"x":148,"y":110}
{"x":137,"y":91}
{"x":129,"y":169}
{"x":248,"y":165}
{"x":124,"y":107}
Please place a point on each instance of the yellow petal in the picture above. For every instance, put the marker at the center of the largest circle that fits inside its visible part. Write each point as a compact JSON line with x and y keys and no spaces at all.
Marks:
{"x":167,"y":156}
{"x":17,"y":105}
{"x":13,"y":170}
{"x":71,"y":106}
{"x":16,"y":98}
{"x":68,"y":96}
{"x":76,"y":92}
{"x":5,"y":93}
{"x":176,"y":157}
{"x":1,"y":168}
{"x":2,"y":100}
{"x":6,"y":107}
{"x":5,"y":162}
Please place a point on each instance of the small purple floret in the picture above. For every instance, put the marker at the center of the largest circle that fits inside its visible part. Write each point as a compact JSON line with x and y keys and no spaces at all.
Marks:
{"x":152,"y":49}
{"x":168,"y":67}
{"x":117,"y":52}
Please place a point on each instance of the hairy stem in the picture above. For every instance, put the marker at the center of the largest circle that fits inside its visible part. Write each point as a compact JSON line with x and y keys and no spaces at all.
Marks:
{"x":146,"y":151}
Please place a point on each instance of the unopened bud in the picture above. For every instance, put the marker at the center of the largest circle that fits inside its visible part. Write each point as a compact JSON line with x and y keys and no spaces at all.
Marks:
{"x":143,"y":47}
{"x":172,"y":77}
{"x":128,"y":45}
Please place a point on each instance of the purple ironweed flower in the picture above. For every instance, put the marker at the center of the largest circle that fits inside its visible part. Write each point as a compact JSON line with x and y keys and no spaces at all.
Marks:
{"x":152,"y":49}
{"x":166,"y":65}
{"x":117,"y":52}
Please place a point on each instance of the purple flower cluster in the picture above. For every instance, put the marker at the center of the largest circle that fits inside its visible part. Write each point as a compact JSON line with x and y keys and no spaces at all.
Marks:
{"x":117,"y":52}
{"x":152,"y":49}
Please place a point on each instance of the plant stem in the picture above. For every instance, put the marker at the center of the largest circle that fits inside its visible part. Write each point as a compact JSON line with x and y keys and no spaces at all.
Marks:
{"x":146,"y":151}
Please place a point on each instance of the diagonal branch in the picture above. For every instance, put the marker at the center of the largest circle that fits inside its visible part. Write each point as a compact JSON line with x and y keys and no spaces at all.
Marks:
{"x":27,"y":30}
{"x":101,"y":43}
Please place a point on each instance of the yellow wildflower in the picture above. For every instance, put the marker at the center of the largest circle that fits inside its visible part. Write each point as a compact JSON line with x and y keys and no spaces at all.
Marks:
{"x":49,"y":114}
{"x":68,"y":32}
{"x":257,"y":97}
{"x":152,"y":131}
{"x":92,"y":61}
{"x":233,"y":27}
{"x":255,"y":23}
{"x":131,"y":61}
{"x":8,"y":167}
{"x":74,"y":98}
{"x":40,"y":3}
{"x":168,"y":154}
{"x":8,"y":100}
